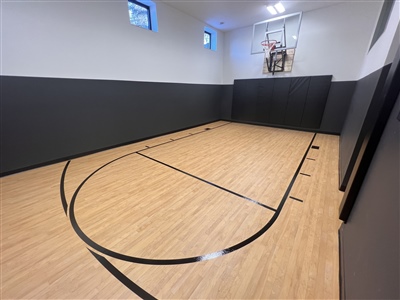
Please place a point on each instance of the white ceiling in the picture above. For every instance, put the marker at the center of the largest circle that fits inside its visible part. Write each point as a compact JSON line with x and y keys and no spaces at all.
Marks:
{"x":240,"y":13}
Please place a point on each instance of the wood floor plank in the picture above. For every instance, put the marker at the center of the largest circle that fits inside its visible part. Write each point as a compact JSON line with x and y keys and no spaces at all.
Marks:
{"x":260,"y":161}
{"x":41,"y":256}
{"x":157,"y":212}
{"x":140,"y":207}
{"x":84,"y":166}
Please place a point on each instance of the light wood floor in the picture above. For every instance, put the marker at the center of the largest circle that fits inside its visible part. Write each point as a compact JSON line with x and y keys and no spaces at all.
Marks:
{"x":205,"y":213}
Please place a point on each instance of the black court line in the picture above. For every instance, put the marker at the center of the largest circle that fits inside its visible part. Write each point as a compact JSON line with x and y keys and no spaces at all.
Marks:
{"x":184,"y":137}
{"x":308,"y":175}
{"x":62,"y":180}
{"x":310,"y":158}
{"x":315,"y":147}
{"x":171,"y":261}
{"x":297,"y":199}
{"x":62,"y":189}
{"x":177,"y":261}
{"x":208,"y":182}
{"x":122,"y":278}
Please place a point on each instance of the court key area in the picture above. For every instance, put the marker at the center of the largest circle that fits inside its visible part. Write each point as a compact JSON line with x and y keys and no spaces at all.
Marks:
{"x":220,"y":211}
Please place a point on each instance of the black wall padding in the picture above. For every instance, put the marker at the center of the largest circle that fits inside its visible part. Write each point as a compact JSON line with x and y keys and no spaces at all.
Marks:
{"x":367,"y":90}
{"x":316,"y":100}
{"x":337,"y":105}
{"x":226,"y":102}
{"x":47,"y":119}
{"x":279,"y":101}
{"x":262,"y":108}
{"x":295,"y":102}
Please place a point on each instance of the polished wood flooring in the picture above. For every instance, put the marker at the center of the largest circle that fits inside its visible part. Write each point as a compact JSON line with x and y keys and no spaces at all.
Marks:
{"x":220,"y":211}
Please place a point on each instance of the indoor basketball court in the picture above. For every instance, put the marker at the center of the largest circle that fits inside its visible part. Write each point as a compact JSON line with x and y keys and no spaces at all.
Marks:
{"x":156,"y":149}
{"x":224,"y":210}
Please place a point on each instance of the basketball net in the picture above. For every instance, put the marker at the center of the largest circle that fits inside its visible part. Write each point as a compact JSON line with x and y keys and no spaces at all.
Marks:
{"x":268,"y":46}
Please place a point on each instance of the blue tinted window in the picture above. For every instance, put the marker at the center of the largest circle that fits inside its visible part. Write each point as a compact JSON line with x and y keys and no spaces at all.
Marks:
{"x":207,"y":40}
{"x":210,"y":38}
{"x":139,"y":14}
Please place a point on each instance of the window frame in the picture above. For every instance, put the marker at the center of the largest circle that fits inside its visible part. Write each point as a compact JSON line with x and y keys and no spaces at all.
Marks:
{"x":151,"y":8}
{"x":213,"y":38}
{"x":209,"y":35}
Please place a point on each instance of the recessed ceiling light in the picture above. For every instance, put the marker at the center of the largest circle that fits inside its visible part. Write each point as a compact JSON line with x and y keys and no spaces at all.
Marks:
{"x":279,"y":7}
{"x":272,"y":10}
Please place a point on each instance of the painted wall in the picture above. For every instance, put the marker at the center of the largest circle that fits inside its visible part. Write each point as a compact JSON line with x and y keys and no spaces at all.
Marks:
{"x":383,"y":51}
{"x":94,"y":40}
{"x":367,"y":91}
{"x":332,"y":41}
{"x":46,"y":120}
{"x":53,"y":54}
{"x":370,"y":238}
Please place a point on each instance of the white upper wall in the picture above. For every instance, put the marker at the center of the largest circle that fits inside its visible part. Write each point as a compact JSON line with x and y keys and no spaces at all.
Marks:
{"x":332,"y":41}
{"x":379,"y":55}
{"x":94,"y":39}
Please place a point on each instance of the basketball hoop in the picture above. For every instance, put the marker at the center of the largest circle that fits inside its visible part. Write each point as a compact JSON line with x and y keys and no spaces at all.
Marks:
{"x":269,"y":45}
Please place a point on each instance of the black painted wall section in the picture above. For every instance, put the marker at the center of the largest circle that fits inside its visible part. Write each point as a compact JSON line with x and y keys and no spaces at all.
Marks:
{"x":47,"y":119}
{"x":293,"y":102}
{"x":370,"y":239}
{"x":367,"y":90}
